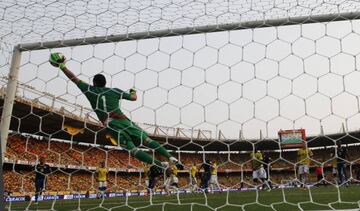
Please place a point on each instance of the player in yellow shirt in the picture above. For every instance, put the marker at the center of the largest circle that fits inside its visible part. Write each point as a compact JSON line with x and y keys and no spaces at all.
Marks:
{"x":171,"y":179}
{"x":193,"y":181}
{"x":304,"y":154}
{"x":334,"y":169}
{"x":334,"y":165}
{"x":174,"y":178}
{"x":213,"y":179}
{"x":102,"y":177}
{"x":259,"y":173}
{"x":146,"y":175}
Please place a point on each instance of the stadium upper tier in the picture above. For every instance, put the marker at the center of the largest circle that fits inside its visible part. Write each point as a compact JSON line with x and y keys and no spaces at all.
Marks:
{"x":50,"y":123}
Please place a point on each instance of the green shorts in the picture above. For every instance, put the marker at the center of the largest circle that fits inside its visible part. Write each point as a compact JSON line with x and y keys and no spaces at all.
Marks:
{"x":128,"y":134}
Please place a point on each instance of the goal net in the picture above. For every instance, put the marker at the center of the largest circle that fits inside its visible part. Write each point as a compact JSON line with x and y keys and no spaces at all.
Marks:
{"x":216,"y":81}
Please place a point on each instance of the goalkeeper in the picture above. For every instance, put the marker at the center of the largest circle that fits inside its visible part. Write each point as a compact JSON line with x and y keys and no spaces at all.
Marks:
{"x":105,"y":103}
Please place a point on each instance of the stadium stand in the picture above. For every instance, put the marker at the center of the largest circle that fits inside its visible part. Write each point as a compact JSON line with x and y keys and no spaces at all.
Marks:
{"x":74,"y":164}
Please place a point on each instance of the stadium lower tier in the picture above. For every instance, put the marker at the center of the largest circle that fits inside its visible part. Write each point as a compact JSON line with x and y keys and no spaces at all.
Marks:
{"x":74,"y":165}
{"x":20,"y":180}
{"x":28,"y":150}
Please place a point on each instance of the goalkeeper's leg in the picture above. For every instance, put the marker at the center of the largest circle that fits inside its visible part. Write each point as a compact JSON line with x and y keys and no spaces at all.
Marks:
{"x":135,"y":133}
{"x":143,"y":156}
{"x":159,"y":149}
{"x":126,"y":141}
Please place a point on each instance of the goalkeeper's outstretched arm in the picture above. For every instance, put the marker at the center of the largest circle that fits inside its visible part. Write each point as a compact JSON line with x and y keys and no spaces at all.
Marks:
{"x":70,"y":74}
{"x":58,"y":60}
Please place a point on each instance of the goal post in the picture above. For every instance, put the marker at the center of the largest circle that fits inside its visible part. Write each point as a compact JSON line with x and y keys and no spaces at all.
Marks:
{"x":9,"y":99}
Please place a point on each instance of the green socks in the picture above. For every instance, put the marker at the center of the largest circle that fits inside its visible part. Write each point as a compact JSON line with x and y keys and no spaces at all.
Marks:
{"x":158,"y":148}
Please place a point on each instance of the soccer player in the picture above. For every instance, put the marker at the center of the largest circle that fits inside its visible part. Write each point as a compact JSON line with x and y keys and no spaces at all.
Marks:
{"x":267,"y":160}
{"x":213,"y":179}
{"x":105,"y":103}
{"x":154,"y":172}
{"x":334,"y":166}
{"x":41,"y":172}
{"x":171,"y":179}
{"x":174,"y":177}
{"x":206,"y":175}
{"x":167,"y":181}
{"x":342,"y":155}
{"x":259,"y":173}
{"x":146,"y":176}
{"x":304,"y":154}
{"x":193,"y":181}
{"x":319,"y":171}
{"x":102,"y":177}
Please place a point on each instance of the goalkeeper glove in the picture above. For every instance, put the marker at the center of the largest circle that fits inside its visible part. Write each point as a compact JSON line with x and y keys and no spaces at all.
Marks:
{"x":57,"y":60}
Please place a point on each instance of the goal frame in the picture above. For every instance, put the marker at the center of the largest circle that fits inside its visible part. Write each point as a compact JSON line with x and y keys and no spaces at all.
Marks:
{"x":18,"y":49}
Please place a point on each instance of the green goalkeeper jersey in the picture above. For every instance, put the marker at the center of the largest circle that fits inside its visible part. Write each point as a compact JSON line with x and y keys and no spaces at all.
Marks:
{"x":104,"y":100}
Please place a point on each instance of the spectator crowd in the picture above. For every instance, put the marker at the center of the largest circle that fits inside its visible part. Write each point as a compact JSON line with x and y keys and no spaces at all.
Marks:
{"x":73,"y":166}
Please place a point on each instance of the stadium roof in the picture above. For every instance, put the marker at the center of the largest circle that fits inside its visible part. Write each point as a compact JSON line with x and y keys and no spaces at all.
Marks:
{"x":38,"y":120}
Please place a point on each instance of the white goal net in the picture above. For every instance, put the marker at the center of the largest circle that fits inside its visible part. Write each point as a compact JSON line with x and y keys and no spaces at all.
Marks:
{"x":215,"y":80}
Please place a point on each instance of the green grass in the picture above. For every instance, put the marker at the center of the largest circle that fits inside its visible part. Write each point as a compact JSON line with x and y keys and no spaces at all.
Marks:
{"x":322,"y":197}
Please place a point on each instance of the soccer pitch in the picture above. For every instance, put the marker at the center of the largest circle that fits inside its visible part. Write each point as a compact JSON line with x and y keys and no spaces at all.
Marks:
{"x":324,"y":198}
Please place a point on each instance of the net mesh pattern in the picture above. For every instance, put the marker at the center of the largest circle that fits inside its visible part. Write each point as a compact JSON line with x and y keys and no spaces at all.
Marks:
{"x":216,"y":96}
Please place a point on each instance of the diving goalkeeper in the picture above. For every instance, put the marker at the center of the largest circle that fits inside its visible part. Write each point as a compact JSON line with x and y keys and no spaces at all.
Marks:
{"x":105,"y":103}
